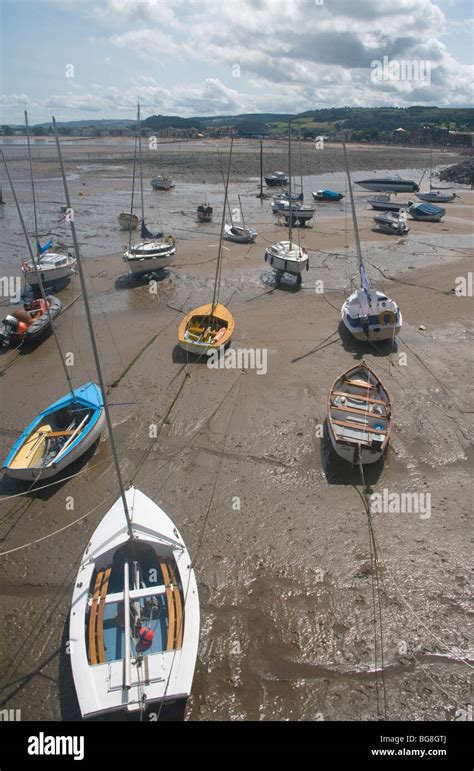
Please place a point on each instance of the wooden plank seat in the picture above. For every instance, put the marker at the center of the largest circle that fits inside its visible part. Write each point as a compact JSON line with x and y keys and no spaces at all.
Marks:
{"x":96,"y":618}
{"x":356,"y":410}
{"x":59,"y":433}
{"x":359,"y":384}
{"x":359,"y":397}
{"x":360,"y":426}
{"x":175,"y":608}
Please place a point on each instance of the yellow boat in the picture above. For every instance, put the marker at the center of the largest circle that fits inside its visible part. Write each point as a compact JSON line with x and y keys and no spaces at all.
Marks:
{"x":206,"y":328}
{"x":209,"y":327}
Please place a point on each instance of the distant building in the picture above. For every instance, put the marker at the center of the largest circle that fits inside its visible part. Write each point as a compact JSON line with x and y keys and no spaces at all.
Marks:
{"x":400,"y":135}
{"x":430,"y":135}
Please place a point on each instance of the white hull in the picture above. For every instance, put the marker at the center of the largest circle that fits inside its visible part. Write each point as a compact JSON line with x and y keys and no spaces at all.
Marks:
{"x":356,"y":306}
{"x":281,"y":258}
{"x":150,"y":256}
{"x":37,"y":475}
{"x":388,"y":186}
{"x":163,"y":675}
{"x":242,"y":236}
{"x":49,"y":273}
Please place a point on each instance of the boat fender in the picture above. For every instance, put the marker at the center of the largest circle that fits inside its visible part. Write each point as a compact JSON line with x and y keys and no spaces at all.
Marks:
{"x":145,"y":638}
{"x":387,"y":317}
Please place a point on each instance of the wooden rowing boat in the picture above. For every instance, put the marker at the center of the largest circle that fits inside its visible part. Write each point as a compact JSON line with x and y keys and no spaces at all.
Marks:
{"x":359,"y":415}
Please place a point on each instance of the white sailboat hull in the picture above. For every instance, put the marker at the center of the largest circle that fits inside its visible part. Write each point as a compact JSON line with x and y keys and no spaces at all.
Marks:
{"x":380,"y":327}
{"x":281,"y":257}
{"x":49,"y":273}
{"x":160,"y":676}
{"x":147,"y":257}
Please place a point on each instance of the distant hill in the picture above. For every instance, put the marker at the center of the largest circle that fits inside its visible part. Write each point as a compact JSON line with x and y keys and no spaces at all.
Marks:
{"x":327,"y":121}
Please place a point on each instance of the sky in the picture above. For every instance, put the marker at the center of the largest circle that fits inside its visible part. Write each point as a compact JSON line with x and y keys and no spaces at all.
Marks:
{"x":92,"y":59}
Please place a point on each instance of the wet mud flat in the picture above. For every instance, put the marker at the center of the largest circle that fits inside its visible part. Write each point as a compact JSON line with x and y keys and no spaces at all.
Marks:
{"x":275,"y":524}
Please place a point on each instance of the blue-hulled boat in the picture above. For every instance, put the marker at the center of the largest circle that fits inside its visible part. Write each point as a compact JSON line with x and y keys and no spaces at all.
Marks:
{"x":426,"y":212}
{"x":58,"y":435}
{"x":327,"y":195}
{"x":437,"y":197}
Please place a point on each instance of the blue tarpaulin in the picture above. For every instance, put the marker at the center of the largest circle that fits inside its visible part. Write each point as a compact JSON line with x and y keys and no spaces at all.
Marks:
{"x":43,"y":249}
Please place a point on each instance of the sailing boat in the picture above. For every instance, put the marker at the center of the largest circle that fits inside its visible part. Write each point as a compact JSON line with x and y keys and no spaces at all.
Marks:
{"x":66,"y":429}
{"x":368,"y":314}
{"x":286,"y":256}
{"x":54,"y":266}
{"x":134,"y":622}
{"x":240,"y":235}
{"x":293,"y":206}
{"x":153,"y":252}
{"x":436,"y":196}
{"x":209,"y":327}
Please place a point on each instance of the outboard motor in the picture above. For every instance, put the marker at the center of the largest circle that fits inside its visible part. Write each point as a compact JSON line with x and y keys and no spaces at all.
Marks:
{"x":364,"y":322}
{"x":10,"y":327}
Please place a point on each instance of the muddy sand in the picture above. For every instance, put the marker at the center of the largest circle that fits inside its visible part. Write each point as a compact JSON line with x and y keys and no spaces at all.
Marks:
{"x":276,"y":526}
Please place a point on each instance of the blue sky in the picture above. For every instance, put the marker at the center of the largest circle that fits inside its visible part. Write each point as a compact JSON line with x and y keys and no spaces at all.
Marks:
{"x":206,"y":57}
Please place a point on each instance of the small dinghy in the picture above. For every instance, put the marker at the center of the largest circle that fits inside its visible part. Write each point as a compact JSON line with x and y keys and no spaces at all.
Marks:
{"x":426,"y":212}
{"x":204,"y":212}
{"x":359,"y":416}
{"x":392,"y":223}
{"x":277,"y":179}
{"x":52,"y":267}
{"x":384,"y":203}
{"x":134,"y":624}
{"x":128,"y":221}
{"x":240,"y":235}
{"x":161,"y":183}
{"x":207,"y":328}
{"x":58,"y":435}
{"x":30,"y":323}
{"x":327,"y":195}
{"x":437,"y":197}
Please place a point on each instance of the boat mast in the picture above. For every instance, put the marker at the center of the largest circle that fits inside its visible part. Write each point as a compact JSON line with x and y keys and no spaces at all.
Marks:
{"x":133,"y":194}
{"x":301,"y":165}
{"x":431,"y":167}
{"x":32,"y":183}
{"x":140,"y":160}
{"x":261,"y":169}
{"x":290,"y":212}
{"x":217,"y":281}
{"x":354,"y":218}
{"x":92,"y":336}
{"x":40,"y":282}
{"x":241,"y":213}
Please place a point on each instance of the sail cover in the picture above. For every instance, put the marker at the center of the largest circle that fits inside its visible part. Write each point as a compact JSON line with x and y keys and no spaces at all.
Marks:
{"x":363,"y":278}
{"x":145,"y":233}
{"x":43,"y":249}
